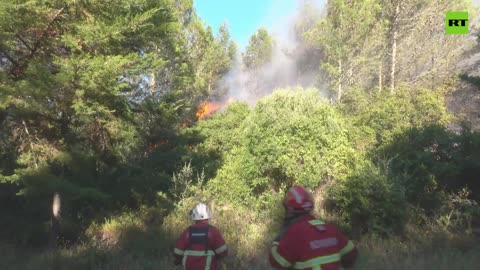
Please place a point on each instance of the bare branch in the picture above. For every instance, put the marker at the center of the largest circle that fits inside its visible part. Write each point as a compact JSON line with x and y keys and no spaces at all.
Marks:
{"x":23,"y":41}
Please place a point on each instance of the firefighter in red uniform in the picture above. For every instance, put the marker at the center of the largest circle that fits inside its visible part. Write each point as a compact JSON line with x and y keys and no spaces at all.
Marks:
{"x":306,"y":242}
{"x":200,"y":245}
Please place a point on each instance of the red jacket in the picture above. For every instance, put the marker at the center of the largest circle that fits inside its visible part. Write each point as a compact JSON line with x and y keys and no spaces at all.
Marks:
{"x":308,"y":243}
{"x":200,"y":245}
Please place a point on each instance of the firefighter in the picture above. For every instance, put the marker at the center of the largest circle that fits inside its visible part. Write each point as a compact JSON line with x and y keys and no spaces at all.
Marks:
{"x":200,"y":245}
{"x":306,"y":242}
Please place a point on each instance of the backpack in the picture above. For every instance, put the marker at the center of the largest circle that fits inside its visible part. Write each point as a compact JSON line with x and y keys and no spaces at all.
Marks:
{"x":199,"y":235}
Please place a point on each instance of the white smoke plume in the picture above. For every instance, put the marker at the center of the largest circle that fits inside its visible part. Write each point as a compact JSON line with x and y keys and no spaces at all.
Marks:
{"x":281,"y":72}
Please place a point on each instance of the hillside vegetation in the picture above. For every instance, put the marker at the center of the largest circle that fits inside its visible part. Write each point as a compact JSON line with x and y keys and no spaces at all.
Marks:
{"x":104,"y":112}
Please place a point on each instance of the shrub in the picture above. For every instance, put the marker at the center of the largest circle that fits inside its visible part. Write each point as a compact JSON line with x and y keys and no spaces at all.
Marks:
{"x":298,"y":136}
{"x":369,"y":202}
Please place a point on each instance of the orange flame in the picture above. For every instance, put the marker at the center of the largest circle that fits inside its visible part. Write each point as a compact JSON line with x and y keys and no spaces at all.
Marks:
{"x":207,"y":108}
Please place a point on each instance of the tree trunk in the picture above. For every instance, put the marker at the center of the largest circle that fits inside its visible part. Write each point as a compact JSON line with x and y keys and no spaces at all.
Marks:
{"x":380,"y":78}
{"x":394,"y":50}
{"x":392,"y":68}
{"x":339,"y":93}
{"x":55,"y":221}
{"x":350,"y":80}
{"x":433,"y":73}
{"x":152,"y":83}
{"x":30,"y":141}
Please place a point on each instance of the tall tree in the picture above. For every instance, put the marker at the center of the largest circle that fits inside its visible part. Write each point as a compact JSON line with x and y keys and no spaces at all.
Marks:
{"x":72,"y":73}
{"x":307,"y":56}
{"x":345,"y":42}
{"x":419,"y":51}
{"x":259,"y":50}
{"x":258,"y":53}
{"x":396,"y":42}
{"x":211,"y":56}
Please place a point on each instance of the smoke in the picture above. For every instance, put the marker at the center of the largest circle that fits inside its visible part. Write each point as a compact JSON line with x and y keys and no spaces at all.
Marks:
{"x":286,"y":70}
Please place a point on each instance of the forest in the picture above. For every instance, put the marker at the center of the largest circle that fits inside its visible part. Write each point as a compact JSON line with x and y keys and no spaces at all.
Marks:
{"x":117,"y":117}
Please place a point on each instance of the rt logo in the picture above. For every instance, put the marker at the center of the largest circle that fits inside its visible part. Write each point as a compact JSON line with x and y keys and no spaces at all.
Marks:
{"x":456,"y":23}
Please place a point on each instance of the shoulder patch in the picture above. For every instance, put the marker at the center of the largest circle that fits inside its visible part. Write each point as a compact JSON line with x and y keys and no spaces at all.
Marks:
{"x":318,"y":224}
{"x":323,"y":243}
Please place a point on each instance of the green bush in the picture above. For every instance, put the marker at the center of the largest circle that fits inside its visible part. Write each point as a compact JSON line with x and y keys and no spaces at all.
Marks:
{"x":298,"y":136}
{"x":388,"y":115}
{"x":432,"y":163}
{"x":293,"y":135}
{"x":369,"y":202}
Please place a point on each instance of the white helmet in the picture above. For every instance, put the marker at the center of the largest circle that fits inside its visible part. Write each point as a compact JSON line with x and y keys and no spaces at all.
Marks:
{"x":201,"y":212}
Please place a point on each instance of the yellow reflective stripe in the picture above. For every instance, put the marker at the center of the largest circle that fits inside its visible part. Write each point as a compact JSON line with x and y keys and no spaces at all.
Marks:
{"x":318,"y":261}
{"x":349,"y":247}
{"x":221,"y":249}
{"x":178,"y":251}
{"x":282,"y":261}
{"x":208,"y":263}
{"x":198,"y":253}
{"x":316,"y":222}
{"x":184,"y":261}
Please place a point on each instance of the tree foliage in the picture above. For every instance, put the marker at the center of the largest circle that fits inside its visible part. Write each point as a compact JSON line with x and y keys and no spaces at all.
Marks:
{"x":86,"y":86}
{"x":389,"y":47}
{"x":98,"y":102}
{"x":259,"y":50}
{"x":291,"y":136}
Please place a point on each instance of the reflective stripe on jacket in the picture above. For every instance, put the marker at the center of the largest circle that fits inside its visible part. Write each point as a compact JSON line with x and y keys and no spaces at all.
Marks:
{"x":195,"y":254}
{"x":308,"y":243}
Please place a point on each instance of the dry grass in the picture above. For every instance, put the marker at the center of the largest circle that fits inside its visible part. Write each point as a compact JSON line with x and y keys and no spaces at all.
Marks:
{"x":369,"y":259}
{"x":141,"y":245}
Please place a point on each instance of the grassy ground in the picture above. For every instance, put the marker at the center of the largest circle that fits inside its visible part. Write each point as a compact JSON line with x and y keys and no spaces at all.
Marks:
{"x":135,"y":241}
{"x":440,"y":252}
